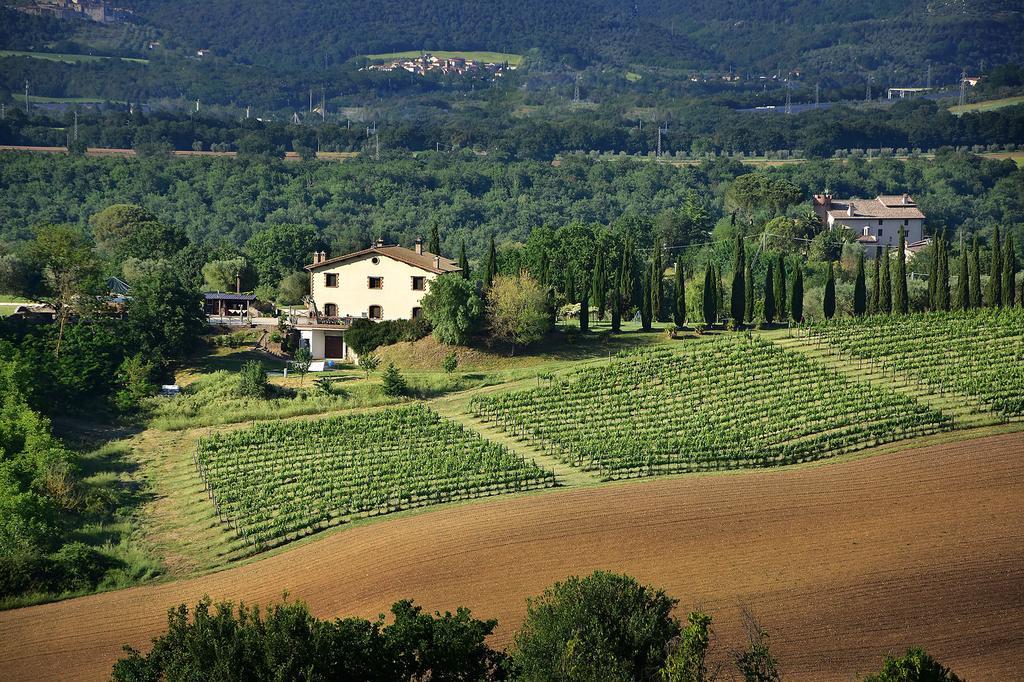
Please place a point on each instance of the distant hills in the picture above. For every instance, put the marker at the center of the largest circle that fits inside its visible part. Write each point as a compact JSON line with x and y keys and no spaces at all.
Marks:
{"x":762,"y":35}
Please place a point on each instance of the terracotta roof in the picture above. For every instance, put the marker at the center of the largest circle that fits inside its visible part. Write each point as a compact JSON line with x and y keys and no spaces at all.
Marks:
{"x":879,"y":207}
{"x":424,"y":261}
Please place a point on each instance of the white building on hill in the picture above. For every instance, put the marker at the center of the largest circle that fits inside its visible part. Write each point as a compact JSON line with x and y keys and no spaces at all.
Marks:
{"x":383,"y":282}
{"x":875,"y":222}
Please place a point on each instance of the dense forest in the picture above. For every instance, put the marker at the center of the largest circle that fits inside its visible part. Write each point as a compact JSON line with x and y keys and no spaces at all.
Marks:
{"x":222,"y":202}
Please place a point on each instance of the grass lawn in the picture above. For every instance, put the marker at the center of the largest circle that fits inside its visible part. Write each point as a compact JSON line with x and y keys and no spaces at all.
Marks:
{"x":67,"y":58}
{"x":494,"y":57}
{"x":987,"y":105}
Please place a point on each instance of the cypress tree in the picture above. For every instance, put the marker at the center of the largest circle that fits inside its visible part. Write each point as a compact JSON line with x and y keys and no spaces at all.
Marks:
{"x":942,"y":280}
{"x":829,"y":304}
{"x":679,"y":307}
{"x":710,"y":298}
{"x":658,"y":283}
{"x":934,"y":277}
{"x":464,"y":262}
{"x":860,"y":289}
{"x":739,"y":286}
{"x":769,"y":295}
{"x":975,"y":275}
{"x":435,"y":241}
{"x":995,"y":273}
{"x":875,"y":288}
{"x":629,"y":292}
{"x":780,"y":288}
{"x":599,"y":285}
{"x":492,"y":264}
{"x":617,"y":302}
{"x":1009,"y":283}
{"x":885,"y":295}
{"x":748,"y":296}
{"x":901,"y":302}
{"x":796,"y":306}
{"x":645,"y":303}
{"x":963,"y":295}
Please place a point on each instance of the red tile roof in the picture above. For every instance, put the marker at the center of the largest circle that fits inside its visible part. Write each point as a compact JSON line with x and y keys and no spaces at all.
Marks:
{"x":425,"y":261}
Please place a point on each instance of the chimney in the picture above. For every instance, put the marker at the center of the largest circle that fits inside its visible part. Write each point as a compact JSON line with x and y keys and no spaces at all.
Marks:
{"x":828,"y":201}
{"x":419,"y":246}
{"x":378,"y":243}
{"x":849,"y":209}
{"x":906,"y":199}
{"x":437,"y":262}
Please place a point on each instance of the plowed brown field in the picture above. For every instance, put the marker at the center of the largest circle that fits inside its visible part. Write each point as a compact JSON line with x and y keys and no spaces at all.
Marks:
{"x":840,"y":562}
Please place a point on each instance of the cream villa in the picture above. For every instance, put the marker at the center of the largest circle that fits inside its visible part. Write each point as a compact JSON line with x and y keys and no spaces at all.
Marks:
{"x":383,"y":282}
{"x":874,"y":222}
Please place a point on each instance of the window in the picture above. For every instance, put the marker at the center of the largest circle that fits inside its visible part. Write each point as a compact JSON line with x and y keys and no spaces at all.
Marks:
{"x":376,"y":312}
{"x":376,"y":282}
{"x":419,"y":283}
{"x":331,"y":279}
{"x":375,"y":260}
{"x":906,"y":222}
{"x":417,"y":313}
{"x":881,"y":232}
{"x":330,"y":310}
{"x":879,"y":221}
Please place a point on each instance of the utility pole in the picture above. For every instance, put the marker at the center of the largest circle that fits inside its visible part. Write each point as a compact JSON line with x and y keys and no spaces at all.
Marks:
{"x":323,"y":105}
{"x":867,"y":92}
{"x":963,"y":87}
{"x":928,"y":83}
{"x":817,"y":94}
{"x":246,"y":112}
{"x":197,"y":106}
{"x":576,"y":91}
{"x":661,"y":131}
{"x":76,"y":126}
{"x":311,"y":100}
{"x":789,"y":98}
{"x":27,"y":106}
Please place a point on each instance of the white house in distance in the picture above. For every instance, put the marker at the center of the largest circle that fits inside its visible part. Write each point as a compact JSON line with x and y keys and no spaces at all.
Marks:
{"x":383,"y":282}
{"x":875,"y":222}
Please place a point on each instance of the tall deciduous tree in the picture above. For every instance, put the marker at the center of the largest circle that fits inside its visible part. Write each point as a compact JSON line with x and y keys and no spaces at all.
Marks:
{"x":829,"y":304}
{"x":769,"y":295}
{"x":62,"y":271}
{"x":901,"y":298}
{"x":165,"y":315}
{"x":710,"y":296}
{"x":739,"y":287}
{"x":860,"y":291}
{"x":796,"y":307}
{"x":1009,"y":284}
{"x":517,"y":310}
{"x":995,"y":272}
{"x":122,"y":231}
{"x":975,"y":275}
{"x":453,"y":308}
{"x":875,"y":286}
{"x":280,"y":249}
{"x":679,"y":302}
{"x":780,"y":287}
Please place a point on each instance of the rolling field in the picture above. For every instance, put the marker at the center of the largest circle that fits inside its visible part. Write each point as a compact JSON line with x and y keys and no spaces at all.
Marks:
{"x":987,"y":105}
{"x":728,"y":403}
{"x":492,"y":57}
{"x":841,"y":563}
{"x":67,"y":58}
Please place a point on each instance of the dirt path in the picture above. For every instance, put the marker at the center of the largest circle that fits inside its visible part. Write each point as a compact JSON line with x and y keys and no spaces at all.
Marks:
{"x":840,"y":562}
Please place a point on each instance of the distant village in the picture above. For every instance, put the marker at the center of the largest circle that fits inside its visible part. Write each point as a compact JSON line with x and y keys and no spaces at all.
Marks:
{"x":93,"y":10}
{"x":428,"y":63}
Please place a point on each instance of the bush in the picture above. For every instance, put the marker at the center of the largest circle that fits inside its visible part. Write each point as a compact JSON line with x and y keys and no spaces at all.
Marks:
{"x":252,"y":380}
{"x":450,"y":363}
{"x":77,"y":566}
{"x":453,"y":308}
{"x":365,"y":335}
{"x":914,"y":666}
{"x":605,"y":626}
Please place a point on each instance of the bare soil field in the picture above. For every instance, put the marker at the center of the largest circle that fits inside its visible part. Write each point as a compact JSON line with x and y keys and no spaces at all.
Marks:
{"x":841,"y":563}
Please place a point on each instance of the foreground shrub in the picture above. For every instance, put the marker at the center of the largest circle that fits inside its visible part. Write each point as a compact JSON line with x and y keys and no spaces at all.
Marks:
{"x":913,"y":666}
{"x":285,"y":642}
{"x":252,"y":380}
{"x":603,"y":627}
